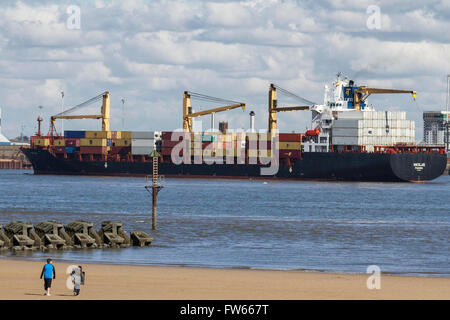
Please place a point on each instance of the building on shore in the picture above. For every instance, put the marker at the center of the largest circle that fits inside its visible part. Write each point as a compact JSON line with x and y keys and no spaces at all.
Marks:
{"x":436,"y":127}
{"x":3,"y":140}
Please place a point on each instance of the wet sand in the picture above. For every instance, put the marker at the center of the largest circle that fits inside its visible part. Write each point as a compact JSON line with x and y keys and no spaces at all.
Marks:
{"x":19,"y":279}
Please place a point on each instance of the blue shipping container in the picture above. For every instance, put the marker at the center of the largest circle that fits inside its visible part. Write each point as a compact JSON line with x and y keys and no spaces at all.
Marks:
{"x":74,"y":134}
{"x":71,"y":149}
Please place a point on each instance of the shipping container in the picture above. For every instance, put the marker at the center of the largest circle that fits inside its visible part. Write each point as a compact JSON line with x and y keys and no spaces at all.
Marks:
{"x":146,"y":134}
{"x":120,"y":150}
{"x":93,"y":150}
{"x":291,"y":145}
{"x":347,"y":123}
{"x":167,"y":135}
{"x":59,"y":149}
{"x":289,"y":137}
{"x":143,"y":143}
{"x":42,"y":142}
{"x":169,"y":143}
{"x":71,"y":149}
{"x":347,"y":132}
{"x":348,"y":141}
{"x":74,"y":134}
{"x":124,"y":135}
{"x":59,"y":143}
{"x":209,"y":138}
{"x":121,"y":143}
{"x":98,"y":135}
{"x":93,"y":142}
{"x":72,"y":142}
{"x":141,"y":150}
{"x":357,"y":115}
{"x":259,"y":153}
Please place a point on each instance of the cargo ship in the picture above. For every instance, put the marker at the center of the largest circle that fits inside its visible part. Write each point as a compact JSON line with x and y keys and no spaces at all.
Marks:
{"x":348,"y":141}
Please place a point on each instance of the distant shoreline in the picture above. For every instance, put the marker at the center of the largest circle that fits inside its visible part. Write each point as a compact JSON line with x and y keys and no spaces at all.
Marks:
{"x":181,"y":265}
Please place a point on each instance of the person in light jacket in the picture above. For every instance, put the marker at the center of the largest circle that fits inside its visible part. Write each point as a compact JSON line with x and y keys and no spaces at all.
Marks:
{"x":76,"y":280}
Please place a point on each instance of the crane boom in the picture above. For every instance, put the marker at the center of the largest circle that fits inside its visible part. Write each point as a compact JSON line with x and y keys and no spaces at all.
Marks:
{"x":362,"y":93}
{"x":105,"y":112}
{"x":188,"y":114}
{"x":274,"y":109}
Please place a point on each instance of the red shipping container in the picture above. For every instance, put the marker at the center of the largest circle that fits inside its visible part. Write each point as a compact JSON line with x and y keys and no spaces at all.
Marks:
{"x":290,"y":137}
{"x":169,"y":143}
{"x":166,"y":135}
{"x":60,"y":149}
{"x":120,"y":150}
{"x":72,"y":142}
{"x":93,"y":150}
{"x":168,"y":152}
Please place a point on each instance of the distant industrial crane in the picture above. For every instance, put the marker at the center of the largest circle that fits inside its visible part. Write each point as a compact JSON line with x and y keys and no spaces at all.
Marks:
{"x":187,"y":109}
{"x":274,"y":109}
{"x":104,"y":113}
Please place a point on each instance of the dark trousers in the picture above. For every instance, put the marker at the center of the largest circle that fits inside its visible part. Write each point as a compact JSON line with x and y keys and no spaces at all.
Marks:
{"x":47,"y":283}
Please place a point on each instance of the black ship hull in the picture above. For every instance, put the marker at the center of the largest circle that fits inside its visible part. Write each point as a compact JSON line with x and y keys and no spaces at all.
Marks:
{"x":409,"y":167}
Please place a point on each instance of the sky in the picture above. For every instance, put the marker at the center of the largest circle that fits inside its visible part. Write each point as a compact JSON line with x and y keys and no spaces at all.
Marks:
{"x":149,"y":52}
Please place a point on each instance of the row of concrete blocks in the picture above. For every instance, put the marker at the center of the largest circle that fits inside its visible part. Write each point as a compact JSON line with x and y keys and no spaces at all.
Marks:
{"x":20,"y":235}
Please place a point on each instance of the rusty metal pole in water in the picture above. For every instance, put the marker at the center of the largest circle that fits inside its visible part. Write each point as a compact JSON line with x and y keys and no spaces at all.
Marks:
{"x":155,"y":187}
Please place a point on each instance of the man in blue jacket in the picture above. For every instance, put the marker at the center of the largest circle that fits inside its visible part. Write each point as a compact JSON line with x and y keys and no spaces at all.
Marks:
{"x":48,"y":271}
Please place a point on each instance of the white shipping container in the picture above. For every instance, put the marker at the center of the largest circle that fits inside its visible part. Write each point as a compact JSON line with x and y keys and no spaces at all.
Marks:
{"x":141,"y":150}
{"x":354,"y":114}
{"x":143,"y":142}
{"x":346,"y":123}
{"x":381,"y":115}
{"x":369,"y":115}
{"x":347,"y":141}
{"x":146,"y":135}
{"x":345,"y":132}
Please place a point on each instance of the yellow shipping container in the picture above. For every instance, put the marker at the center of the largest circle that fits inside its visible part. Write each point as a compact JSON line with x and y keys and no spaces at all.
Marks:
{"x":123,"y":135}
{"x":93,"y":142}
{"x":291,"y":145}
{"x":98,"y":135}
{"x":259,"y":153}
{"x":42,"y":142}
{"x":121,"y":143}
{"x":59,"y":143}
{"x":258,"y":136}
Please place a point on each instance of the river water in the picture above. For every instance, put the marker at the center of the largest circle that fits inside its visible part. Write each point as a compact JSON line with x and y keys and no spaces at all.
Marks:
{"x":303,"y":226}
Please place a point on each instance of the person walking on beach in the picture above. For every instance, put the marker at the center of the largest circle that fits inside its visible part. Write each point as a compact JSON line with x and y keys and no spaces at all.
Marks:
{"x":49,"y":273}
{"x":76,"y":275}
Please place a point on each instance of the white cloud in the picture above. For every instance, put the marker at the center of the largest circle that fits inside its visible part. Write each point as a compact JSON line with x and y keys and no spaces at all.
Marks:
{"x":151,"y":51}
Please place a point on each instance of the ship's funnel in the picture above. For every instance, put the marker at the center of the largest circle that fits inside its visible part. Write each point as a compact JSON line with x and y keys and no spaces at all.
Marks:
{"x":252,"y":121}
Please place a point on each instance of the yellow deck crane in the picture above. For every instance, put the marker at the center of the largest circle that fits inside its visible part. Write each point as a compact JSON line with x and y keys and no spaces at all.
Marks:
{"x":104,"y":113}
{"x":362,"y":93}
{"x":274,"y":109}
{"x":187,"y":109}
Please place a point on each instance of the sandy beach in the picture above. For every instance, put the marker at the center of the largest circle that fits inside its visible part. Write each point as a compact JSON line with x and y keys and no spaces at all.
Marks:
{"x":20,"y":280}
